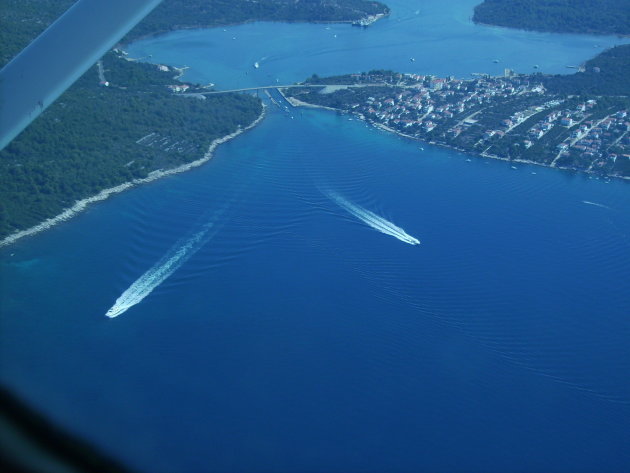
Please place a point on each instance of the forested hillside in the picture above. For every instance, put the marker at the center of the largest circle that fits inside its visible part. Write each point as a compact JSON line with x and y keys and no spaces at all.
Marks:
{"x":606,"y":74}
{"x":175,"y":14}
{"x":23,"y":20}
{"x":95,"y":137}
{"x":561,"y":16}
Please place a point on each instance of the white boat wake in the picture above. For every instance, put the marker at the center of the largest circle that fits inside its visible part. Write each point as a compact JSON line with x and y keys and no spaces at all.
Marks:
{"x":155,"y":276}
{"x":595,"y":204}
{"x":373,"y":220}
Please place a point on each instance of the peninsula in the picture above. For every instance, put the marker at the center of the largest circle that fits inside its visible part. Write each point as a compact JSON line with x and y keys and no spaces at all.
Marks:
{"x":184,"y":14}
{"x":124,"y":122}
{"x":604,"y":17}
{"x":577,"y":122}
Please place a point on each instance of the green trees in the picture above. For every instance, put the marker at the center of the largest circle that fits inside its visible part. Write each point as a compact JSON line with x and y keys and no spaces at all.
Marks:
{"x":561,"y":16}
{"x":174,"y":14}
{"x":96,"y":137}
{"x":606,"y":74}
{"x":92,"y":139}
{"x":23,"y":20}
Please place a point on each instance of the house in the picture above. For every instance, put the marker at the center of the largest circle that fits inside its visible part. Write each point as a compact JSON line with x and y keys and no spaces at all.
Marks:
{"x":436,"y":84}
{"x":179,"y":87}
{"x":546,"y":126}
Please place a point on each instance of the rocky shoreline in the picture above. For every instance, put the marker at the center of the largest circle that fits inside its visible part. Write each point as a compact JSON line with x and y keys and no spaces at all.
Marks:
{"x":82,"y":204}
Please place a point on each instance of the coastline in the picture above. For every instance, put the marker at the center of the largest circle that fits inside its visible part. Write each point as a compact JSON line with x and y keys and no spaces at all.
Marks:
{"x":80,"y":205}
{"x":522,"y":28}
{"x":124,"y":41}
{"x":298,"y":103}
{"x":486,"y":155}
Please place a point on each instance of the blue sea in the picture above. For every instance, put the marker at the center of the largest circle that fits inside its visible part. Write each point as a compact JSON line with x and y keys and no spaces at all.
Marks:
{"x":274,"y":328}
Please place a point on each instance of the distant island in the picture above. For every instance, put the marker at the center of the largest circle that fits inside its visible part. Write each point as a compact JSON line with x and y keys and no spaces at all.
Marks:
{"x":183,"y":14}
{"x":579,"y":122}
{"x":126,"y":122}
{"x":23,"y":20}
{"x":604,"y":17}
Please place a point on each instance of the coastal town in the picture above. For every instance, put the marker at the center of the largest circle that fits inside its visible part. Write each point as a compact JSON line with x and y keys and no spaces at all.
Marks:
{"x":512,"y":117}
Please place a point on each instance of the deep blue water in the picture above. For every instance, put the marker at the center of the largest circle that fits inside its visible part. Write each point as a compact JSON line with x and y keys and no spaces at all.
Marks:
{"x":297,"y":338}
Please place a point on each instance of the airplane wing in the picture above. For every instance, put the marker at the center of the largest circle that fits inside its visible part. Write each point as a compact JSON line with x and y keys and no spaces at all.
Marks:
{"x":60,"y":55}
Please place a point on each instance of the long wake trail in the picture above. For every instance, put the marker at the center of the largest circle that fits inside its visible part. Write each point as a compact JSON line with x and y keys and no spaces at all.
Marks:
{"x":588,"y":202}
{"x":375,"y":221}
{"x":157,"y":274}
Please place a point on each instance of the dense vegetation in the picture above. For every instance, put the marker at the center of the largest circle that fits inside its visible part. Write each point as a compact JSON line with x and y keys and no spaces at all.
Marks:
{"x":23,"y":20}
{"x":91,"y":138}
{"x":561,"y":16}
{"x":606,"y":74}
{"x":176,"y":14}
{"x":94,"y":137}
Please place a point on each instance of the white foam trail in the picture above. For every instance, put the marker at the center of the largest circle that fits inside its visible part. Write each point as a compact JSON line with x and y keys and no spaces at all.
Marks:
{"x":595,"y":204}
{"x":155,"y":276}
{"x":375,"y":221}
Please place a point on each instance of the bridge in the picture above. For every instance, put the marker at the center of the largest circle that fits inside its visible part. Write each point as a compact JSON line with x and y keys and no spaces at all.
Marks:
{"x":327,"y":88}
{"x":262,"y":87}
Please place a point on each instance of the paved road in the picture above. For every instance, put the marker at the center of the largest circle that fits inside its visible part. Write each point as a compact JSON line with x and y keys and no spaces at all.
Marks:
{"x":327,"y":88}
{"x":262,"y":87}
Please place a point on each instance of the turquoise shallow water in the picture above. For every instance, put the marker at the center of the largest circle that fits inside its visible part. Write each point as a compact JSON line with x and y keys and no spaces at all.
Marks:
{"x":298,"y":338}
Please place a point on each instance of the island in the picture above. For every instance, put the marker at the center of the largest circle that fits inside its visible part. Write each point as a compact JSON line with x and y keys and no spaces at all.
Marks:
{"x":125,"y":122}
{"x":578,"y":122}
{"x":184,"y":14}
{"x":603,"y":17}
